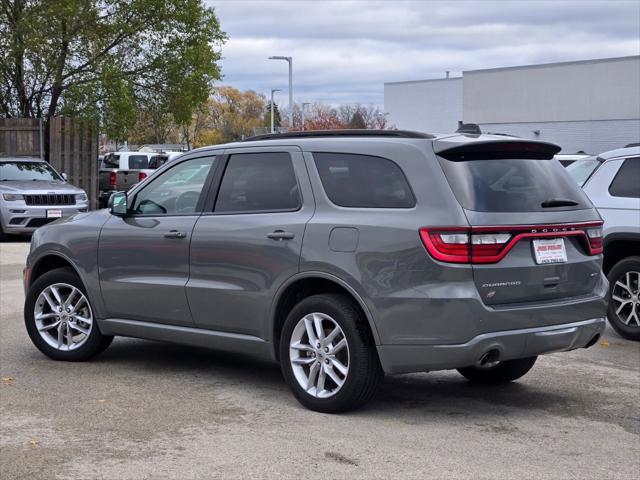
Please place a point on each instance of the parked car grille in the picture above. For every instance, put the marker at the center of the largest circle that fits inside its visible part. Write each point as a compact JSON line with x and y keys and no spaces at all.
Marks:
{"x":50,"y":199}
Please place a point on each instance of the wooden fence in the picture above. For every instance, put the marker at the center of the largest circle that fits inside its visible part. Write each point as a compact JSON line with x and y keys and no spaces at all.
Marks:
{"x":73,"y":149}
{"x":21,"y":136}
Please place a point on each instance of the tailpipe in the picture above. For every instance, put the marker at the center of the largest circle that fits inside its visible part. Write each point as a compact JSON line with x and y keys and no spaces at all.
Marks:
{"x":593,"y":341}
{"x":489,"y":359}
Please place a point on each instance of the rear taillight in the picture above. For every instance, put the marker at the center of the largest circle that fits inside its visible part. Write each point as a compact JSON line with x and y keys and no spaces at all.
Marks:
{"x":594,"y":236}
{"x":113,"y":179}
{"x":141,"y":176}
{"x":491,"y":244}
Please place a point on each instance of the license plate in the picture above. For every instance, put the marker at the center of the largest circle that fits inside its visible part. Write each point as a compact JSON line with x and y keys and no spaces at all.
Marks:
{"x":549,"y":251}
{"x":54,"y":213}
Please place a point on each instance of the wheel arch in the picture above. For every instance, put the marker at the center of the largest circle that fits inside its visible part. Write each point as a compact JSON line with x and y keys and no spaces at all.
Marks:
{"x":305,"y":285}
{"x":51,"y":261}
{"x":618,"y":246}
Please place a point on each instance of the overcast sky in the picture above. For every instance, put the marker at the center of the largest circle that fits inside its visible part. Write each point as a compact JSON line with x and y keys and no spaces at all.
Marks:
{"x":344,"y":51}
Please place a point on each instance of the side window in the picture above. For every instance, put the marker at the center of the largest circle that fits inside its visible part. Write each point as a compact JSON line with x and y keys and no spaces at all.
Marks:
{"x":175,"y":191}
{"x":138,"y":162}
{"x":257,"y":182}
{"x":627,"y":181}
{"x":363,"y":181}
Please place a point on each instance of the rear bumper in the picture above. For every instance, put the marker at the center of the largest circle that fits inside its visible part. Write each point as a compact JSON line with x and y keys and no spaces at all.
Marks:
{"x":511,"y":344}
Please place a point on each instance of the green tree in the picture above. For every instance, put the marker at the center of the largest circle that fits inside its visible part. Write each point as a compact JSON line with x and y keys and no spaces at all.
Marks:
{"x":357,"y":121}
{"x":107,"y":58}
{"x":266,"y":121}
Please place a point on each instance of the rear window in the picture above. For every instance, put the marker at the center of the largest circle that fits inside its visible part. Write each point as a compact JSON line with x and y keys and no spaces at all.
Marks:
{"x":627,"y":181}
{"x":138,"y":162}
{"x":363,"y":181}
{"x":513,"y":185}
{"x":111,"y":161}
{"x":157,"y":161}
{"x":582,"y":170}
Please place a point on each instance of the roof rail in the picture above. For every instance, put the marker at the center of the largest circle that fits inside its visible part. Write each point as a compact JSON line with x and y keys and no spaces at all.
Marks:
{"x":632,"y":145}
{"x":341,"y":133}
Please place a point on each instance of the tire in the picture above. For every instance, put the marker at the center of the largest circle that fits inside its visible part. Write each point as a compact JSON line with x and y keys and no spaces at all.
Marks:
{"x":630,"y":311}
{"x":76,"y":345}
{"x":503,"y":372}
{"x":353,"y":345}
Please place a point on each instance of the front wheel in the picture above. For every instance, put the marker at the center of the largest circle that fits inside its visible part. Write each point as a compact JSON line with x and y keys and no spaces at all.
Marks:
{"x":624,"y":302}
{"x":59,"y":317}
{"x":501,"y":372}
{"x":328,"y":356}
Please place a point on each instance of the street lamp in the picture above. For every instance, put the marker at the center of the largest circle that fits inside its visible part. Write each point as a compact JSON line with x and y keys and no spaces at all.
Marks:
{"x":273,"y":90}
{"x":304,"y":119}
{"x":289,"y":60}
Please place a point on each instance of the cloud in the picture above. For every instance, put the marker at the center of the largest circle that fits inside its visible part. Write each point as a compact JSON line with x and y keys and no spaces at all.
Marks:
{"x":343,"y":51}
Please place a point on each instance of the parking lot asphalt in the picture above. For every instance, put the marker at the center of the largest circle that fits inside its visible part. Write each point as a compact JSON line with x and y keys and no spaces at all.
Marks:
{"x":161,"y":411}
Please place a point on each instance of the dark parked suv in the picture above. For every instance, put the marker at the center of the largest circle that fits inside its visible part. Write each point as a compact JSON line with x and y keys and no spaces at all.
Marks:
{"x":342,"y":255}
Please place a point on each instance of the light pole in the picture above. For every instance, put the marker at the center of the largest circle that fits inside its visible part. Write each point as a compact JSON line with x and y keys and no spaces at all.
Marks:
{"x":273,"y":90}
{"x":289,"y":60}
{"x":304,"y":119}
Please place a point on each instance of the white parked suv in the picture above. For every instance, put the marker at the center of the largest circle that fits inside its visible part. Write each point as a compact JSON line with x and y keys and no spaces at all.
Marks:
{"x":612,"y":182}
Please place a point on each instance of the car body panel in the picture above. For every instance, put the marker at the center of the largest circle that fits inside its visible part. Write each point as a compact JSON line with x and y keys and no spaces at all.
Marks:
{"x":232,"y":277}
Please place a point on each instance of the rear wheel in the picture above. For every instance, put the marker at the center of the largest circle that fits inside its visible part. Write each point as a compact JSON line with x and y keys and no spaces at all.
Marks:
{"x":500,"y":372}
{"x":59,"y":317}
{"x":624,"y":302}
{"x":328,"y":357}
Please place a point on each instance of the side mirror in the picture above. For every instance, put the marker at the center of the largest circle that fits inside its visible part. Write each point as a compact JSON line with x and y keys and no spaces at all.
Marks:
{"x":64,"y":176}
{"x":118,"y":204}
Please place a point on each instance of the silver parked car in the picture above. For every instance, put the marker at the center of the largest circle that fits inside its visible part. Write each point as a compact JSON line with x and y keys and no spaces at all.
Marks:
{"x":33,"y":194}
{"x":343,"y":255}
{"x":612,"y":182}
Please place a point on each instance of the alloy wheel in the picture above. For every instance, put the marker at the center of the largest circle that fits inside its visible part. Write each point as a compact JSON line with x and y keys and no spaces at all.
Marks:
{"x":319,"y":355}
{"x":626,"y":298}
{"x":63,"y":316}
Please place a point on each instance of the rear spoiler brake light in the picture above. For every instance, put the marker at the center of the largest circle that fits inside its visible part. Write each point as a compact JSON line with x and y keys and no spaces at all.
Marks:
{"x":496,"y":150}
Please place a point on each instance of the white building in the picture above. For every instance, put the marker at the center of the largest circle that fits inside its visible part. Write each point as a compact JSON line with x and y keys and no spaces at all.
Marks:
{"x":589,"y":106}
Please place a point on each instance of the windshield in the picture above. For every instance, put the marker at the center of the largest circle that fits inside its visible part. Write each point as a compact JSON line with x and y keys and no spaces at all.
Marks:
{"x":513,"y":185}
{"x":21,"y":171}
{"x":583,"y":169}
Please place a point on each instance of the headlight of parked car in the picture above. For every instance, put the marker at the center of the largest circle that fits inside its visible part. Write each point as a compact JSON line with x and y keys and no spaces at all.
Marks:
{"x":11,"y":197}
{"x":81,"y":197}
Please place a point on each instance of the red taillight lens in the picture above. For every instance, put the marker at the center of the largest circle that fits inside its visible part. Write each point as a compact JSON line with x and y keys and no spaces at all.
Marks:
{"x":491,"y":244}
{"x":141,"y":176}
{"x":594,"y":235}
{"x":113,"y":177}
{"x":447,"y":246}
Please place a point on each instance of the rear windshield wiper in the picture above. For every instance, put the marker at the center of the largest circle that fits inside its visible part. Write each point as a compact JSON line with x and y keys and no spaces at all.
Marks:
{"x":558,"y":202}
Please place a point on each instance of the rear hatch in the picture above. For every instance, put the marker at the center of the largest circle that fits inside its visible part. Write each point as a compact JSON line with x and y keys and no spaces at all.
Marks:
{"x":534,"y":235}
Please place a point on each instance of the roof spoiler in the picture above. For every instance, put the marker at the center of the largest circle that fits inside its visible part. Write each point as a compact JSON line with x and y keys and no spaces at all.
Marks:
{"x":494,"y":149}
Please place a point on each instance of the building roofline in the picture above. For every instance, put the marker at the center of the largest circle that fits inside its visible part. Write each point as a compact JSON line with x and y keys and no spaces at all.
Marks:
{"x":423,"y":81}
{"x":520,"y":67}
{"x":554,"y":64}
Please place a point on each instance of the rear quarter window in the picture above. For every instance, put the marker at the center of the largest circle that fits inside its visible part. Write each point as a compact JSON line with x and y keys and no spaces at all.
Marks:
{"x":363,"y":181}
{"x":627,"y":181}
{"x":512,"y":185}
{"x":138,"y":162}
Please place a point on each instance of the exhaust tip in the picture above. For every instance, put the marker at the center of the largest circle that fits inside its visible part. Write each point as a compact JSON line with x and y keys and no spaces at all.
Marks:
{"x":489,"y":359}
{"x":593,"y":341}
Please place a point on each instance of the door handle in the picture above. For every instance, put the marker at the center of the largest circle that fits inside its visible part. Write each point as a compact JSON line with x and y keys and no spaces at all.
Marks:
{"x":280,"y":235}
{"x":175,"y":234}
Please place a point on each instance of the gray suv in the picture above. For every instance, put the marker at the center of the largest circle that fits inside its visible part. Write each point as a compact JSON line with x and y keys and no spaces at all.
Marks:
{"x":343,"y":255}
{"x":33,"y":194}
{"x":612,"y":182}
